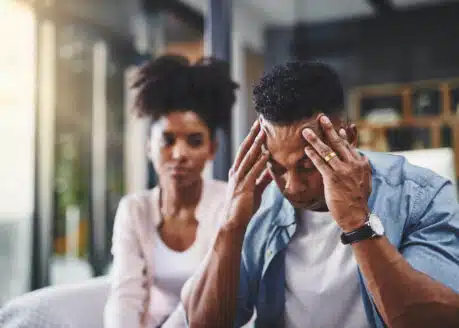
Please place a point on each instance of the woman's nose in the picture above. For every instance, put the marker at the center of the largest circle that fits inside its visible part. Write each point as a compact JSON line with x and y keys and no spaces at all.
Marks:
{"x":179,"y":151}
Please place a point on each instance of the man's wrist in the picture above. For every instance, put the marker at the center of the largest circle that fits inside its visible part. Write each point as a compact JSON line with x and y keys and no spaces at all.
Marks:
{"x":355,"y":222}
{"x":235,"y":224}
{"x":230,"y":237}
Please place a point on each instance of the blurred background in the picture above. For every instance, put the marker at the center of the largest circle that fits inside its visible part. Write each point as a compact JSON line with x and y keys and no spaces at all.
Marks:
{"x":70,"y":148}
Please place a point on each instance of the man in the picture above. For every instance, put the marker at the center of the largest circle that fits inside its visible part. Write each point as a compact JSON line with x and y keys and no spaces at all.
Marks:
{"x":342,"y":238}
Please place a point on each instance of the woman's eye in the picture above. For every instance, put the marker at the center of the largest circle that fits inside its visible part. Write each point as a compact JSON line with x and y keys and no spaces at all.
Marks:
{"x":195,"y":140}
{"x":168,"y":139}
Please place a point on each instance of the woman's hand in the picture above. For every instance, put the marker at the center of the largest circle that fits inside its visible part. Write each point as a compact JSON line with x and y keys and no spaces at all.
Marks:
{"x":248,"y":177}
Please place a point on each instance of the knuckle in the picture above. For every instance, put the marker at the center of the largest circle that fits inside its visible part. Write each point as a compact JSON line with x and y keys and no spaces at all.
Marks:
{"x":237,"y":176}
{"x":346,"y":171}
{"x":324,"y":152}
{"x":363,"y":164}
{"x":334,"y":177}
{"x":313,"y":155}
{"x":313,"y":138}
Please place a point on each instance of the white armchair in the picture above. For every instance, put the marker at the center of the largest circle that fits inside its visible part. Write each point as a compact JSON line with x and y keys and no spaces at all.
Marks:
{"x":439,"y":160}
{"x":65,"y":306}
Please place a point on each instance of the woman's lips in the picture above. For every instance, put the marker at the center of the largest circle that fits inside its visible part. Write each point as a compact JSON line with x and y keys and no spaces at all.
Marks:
{"x":179,"y":171}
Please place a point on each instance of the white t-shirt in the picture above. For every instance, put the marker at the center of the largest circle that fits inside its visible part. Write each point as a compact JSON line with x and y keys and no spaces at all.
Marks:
{"x":172,"y":270}
{"x":321,"y":281}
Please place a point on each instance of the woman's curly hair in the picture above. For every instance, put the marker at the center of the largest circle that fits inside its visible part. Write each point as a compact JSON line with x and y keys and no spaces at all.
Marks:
{"x":171,"y":83}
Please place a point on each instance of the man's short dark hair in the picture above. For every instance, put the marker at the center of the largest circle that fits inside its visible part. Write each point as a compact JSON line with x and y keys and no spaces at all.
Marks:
{"x":172,"y":83}
{"x":297,"y":90}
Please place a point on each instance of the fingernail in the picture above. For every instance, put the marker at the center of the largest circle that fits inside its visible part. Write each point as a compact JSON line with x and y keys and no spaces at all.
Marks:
{"x":259,"y":135}
{"x":324,"y":119}
{"x":342,"y":133}
{"x":307,"y":132}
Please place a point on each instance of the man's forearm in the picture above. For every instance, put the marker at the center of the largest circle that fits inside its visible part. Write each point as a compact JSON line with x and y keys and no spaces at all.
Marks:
{"x":213,"y":299}
{"x":404,"y":297}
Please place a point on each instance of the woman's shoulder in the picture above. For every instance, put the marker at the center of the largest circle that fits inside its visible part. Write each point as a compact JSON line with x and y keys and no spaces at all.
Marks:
{"x":214,"y":191}
{"x":139,"y":205}
{"x":215,"y":186}
{"x":139,"y":198}
{"x":212,"y":202}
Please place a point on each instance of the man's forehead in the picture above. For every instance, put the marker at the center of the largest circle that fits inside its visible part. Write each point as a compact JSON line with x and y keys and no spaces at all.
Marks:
{"x":290,"y":130}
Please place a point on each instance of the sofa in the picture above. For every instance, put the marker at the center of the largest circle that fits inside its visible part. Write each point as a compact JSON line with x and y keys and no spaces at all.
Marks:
{"x":81,"y":305}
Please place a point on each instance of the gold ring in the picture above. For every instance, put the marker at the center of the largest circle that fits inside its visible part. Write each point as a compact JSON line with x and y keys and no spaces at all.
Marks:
{"x":329,"y":156}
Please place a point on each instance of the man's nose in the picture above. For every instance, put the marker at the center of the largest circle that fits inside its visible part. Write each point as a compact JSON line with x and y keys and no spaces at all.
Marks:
{"x":293,"y":184}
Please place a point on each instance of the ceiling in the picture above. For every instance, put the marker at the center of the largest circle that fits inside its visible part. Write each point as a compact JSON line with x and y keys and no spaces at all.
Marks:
{"x":121,"y":16}
{"x":290,"y":11}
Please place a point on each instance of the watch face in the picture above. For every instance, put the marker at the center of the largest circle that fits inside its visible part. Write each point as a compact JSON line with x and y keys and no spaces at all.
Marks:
{"x":376,"y":225}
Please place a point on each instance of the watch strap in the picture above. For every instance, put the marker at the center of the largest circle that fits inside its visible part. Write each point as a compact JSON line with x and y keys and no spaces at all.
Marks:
{"x":359,"y":234}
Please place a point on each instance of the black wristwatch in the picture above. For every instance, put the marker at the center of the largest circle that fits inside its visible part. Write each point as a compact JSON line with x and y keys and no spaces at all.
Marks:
{"x":371,"y":229}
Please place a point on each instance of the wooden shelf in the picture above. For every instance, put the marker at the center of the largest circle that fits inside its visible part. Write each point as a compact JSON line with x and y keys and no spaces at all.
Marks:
{"x":439,"y":90}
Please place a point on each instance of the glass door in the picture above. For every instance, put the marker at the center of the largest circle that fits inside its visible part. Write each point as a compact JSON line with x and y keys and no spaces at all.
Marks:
{"x":75,"y":54}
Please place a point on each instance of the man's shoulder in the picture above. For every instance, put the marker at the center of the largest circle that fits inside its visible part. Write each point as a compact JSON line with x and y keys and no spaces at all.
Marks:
{"x":409,"y":189}
{"x":395,"y":171}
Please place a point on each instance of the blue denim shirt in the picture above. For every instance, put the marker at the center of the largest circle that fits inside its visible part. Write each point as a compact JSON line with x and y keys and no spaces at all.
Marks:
{"x":418,"y":209}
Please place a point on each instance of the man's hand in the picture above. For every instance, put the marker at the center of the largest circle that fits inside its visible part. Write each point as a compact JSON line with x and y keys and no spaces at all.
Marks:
{"x":346,"y":175}
{"x":248,"y":177}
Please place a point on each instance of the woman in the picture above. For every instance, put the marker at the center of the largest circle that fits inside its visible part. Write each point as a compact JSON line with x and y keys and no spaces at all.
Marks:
{"x":161,"y":235}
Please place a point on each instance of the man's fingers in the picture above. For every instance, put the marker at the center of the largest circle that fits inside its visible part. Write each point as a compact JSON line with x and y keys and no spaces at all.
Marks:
{"x":245,"y":145}
{"x":318,"y":161}
{"x":321,"y":149}
{"x":264,"y":180}
{"x":345,"y":136}
{"x":252,"y":155}
{"x":334,"y":139}
{"x":352,"y":134}
{"x":255,"y":171}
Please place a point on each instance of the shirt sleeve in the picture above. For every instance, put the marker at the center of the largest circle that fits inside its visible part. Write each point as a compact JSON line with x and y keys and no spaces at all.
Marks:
{"x":431,"y":241}
{"x":245,"y":304}
{"x":126,"y":301}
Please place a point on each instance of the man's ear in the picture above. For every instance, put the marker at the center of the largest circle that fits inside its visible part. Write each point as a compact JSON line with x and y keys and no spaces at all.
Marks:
{"x":352,"y":135}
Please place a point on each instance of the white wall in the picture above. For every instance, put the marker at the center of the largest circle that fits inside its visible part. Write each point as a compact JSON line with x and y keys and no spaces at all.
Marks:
{"x":248,"y":31}
{"x":135,"y":144}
